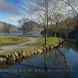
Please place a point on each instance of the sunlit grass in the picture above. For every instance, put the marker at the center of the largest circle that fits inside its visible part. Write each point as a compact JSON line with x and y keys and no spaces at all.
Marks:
{"x":11,"y":40}
{"x":51,"y":41}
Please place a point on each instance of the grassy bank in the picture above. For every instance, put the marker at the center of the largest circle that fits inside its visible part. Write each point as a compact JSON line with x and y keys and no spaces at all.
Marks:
{"x":20,"y":54}
{"x":53,"y":41}
{"x":11,"y":40}
{"x":38,"y":43}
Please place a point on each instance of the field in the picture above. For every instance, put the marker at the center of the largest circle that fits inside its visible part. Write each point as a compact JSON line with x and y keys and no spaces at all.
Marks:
{"x":28,"y":43}
{"x":53,"y":41}
{"x":11,"y":40}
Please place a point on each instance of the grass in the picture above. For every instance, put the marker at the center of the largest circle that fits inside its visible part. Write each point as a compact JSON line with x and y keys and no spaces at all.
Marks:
{"x":11,"y":40}
{"x":52,"y":41}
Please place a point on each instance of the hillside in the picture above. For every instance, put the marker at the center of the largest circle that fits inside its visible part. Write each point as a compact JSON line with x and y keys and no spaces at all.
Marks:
{"x":6,"y":28}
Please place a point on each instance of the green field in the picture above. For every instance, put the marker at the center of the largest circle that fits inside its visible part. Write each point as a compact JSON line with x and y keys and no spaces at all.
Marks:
{"x":11,"y":40}
{"x":38,"y":44}
{"x":53,"y":41}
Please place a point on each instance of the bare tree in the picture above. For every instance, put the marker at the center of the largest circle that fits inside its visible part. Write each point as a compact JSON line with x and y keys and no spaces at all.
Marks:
{"x":68,"y":2}
{"x":22,"y":23}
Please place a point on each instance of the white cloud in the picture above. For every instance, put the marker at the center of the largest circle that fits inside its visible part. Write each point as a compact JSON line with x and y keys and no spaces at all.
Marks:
{"x":12,"y":19}
{"x":35,"y":10}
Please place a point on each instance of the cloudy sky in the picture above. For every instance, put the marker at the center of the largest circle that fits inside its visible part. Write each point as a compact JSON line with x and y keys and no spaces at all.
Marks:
{"x":13,"y":10}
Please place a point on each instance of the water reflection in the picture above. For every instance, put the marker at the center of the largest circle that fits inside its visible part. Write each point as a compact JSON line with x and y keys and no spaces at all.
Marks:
{"x":70,"y":54}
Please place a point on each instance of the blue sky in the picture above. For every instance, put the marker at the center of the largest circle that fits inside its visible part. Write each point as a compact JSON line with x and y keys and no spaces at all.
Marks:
{"x":13,"y":10}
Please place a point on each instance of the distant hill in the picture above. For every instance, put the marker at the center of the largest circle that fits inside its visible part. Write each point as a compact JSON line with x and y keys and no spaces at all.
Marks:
{"x":6,"y":28}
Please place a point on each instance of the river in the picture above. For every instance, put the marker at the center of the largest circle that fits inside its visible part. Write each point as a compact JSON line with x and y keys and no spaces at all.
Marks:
{"x":23,"y":70}
{"x":27,"y":68}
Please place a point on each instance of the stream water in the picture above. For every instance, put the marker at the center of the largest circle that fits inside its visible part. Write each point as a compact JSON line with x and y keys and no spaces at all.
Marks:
{"x":27,"y":69}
